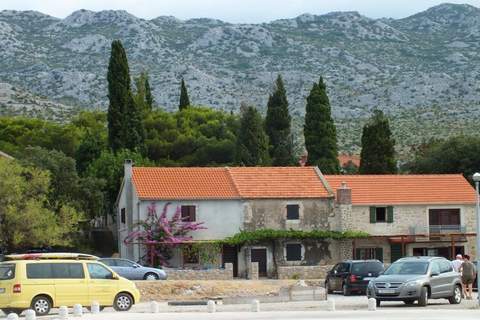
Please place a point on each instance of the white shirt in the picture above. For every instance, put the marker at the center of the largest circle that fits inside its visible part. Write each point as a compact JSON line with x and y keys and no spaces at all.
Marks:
{"x":456,"y":265}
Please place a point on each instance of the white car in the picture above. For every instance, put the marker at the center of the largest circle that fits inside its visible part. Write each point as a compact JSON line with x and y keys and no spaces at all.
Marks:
{"x":133,"y":271}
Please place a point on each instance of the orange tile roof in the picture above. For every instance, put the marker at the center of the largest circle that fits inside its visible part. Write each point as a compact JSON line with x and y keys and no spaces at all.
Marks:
{"x":183,"y":183}
{"x":278,"y":182}
{"x":228,"y":183}
{"x":406,"y":189}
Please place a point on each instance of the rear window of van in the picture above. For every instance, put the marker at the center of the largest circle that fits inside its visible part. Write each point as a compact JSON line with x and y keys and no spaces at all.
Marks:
{"x":55,"y":271}
{"x":7,"y":271}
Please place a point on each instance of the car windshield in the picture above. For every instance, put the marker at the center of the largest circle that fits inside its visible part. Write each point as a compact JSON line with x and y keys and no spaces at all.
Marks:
{"x":7,"y":271}
{"x":366,"y":268}
{"x":408,"y":267}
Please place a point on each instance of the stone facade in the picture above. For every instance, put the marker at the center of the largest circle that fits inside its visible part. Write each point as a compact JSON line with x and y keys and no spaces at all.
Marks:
{"x":210,"y":274}
{"x":304,"y":272}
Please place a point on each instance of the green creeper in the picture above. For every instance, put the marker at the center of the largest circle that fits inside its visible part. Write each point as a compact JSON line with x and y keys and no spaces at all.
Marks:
{"x":184,"y":99}
{"x":319,"y":131}
{"x":252,"y":141}
{"x":378,"y":146}
{"x":278,"y":126}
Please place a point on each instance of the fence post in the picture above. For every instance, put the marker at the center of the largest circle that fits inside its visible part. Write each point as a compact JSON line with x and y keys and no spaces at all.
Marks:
{"x":255,"y":306}
{"x":211,"y":308}
{"x":77,"y":310}
{"x":30,"y":315}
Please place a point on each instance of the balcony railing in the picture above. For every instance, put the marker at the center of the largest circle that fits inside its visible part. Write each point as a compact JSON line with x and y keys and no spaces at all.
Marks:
{"x":437,"y":229}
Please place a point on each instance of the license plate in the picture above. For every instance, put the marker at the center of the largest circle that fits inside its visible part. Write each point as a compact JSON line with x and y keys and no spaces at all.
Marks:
{"x":2,"y":290}
{"x":386,"y":291}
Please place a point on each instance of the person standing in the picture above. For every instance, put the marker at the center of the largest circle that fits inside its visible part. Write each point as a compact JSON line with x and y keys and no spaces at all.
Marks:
{"x":469,"y":272}
{"x":457,"y":263}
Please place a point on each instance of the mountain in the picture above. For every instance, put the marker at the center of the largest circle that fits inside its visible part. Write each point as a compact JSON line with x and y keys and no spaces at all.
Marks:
{"x":16,"y":101}
{"x":424,"y":64}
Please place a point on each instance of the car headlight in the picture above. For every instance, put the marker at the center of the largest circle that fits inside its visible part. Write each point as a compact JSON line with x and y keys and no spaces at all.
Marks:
{"x":413,"y":283}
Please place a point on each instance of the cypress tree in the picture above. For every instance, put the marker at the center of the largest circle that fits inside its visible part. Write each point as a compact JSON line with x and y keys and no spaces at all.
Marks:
{"x":378,"y":146}
{"x":148,"y":95}
{"x":319,"y":131}
{"x":184,"y":100}
{"x":252,"y":141}
{"x":125,"y":126}
{"x":118,"y":92}
{"x":278,"y":126}
{"x":143,"y":95}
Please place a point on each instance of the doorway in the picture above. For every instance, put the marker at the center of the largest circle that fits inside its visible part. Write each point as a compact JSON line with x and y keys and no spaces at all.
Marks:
{"x":230,"y":255}
{"x":260,"y":256}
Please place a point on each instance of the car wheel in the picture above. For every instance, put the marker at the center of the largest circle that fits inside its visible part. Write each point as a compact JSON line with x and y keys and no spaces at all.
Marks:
{"x":457,"y":295}
{"x":41,"y":305}
{"x":150,"y":276}
{"x":378,"y":302}
{"x":409,"y":302}
{"x":423,"y":300}
{"x":122,"y":302}
{"x":346,"y":291}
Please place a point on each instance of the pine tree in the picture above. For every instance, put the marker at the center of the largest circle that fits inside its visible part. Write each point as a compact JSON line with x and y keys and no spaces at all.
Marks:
{"x":278,"y":126}
{"x":378,"y":146}
{"x":118,"y":94}
{"x":252,"y":141}
{"x":319,"y":131}
{"x":184,"y":100}
{"x":125,"y":126}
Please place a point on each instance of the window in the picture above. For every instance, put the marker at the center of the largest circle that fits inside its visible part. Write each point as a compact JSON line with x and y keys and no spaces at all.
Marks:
{"x":343,"y":267}
{"x":293,"y":212}
{"x":435,"y":265}
{"x":123,"y":217}
{"x":369,"y":253}
{"x":407,"y":267}
{"x":39,"y":271}
{"x":366,"y":268}
{"x":124,"y":263}
{"x":7,"y":271}
{"x":188,"y":213}
{"x":381,"y":214}
{"x":67,"y":271}
{"x":445,"y":266}
{"x":108,"y":262}
{"x":294,"y":252}
{"x":97,"y":271}
{"x":190,"y":255}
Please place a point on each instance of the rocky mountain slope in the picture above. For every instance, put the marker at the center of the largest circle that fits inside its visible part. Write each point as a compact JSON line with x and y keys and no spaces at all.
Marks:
{"x":418,"y":66}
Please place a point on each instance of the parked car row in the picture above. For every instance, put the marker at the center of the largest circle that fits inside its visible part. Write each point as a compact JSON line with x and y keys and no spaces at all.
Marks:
{"x":408,"y":279}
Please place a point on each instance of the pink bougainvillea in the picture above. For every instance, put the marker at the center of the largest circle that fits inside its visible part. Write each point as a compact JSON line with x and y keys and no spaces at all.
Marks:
{"x":160,"y":235}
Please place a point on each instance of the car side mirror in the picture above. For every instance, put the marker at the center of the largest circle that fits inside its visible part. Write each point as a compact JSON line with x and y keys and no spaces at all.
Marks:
{"x":434,"y":274}
{"x":335,"y":271}
{"x":136,"y":266}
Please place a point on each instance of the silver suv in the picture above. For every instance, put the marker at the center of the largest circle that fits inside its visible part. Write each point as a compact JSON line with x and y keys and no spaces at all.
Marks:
{"x":417,"y":278}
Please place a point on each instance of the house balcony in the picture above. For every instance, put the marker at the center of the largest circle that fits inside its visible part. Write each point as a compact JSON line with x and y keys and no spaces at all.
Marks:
{"x":438,"y":232}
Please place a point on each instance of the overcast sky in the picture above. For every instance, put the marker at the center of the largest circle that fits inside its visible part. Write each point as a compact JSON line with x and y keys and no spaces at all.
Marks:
{"x":251,"y":11}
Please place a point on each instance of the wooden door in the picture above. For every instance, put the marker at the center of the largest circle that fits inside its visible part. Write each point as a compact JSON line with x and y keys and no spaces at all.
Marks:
{"x":230,"y":255}
{"x":260,"y":256}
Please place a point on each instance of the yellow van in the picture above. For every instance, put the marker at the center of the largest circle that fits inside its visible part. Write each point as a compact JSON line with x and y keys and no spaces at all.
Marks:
{"x":44,"y":281}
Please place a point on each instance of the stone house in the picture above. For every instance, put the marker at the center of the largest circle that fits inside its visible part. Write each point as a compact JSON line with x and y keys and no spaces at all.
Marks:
{"x":404,"y":215}
{"x":228,"y":200}
{"x":407,"y":215}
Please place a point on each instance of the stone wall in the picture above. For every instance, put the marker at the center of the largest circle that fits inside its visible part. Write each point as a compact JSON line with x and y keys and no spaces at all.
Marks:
{"x":209,"y":274}
{"x":303,"y":272}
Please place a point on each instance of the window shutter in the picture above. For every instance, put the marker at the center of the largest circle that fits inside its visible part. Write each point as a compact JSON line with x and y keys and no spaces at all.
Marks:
{"x":379,"y":254}
{"x":389,"y":214}
{"x":373,"y":215}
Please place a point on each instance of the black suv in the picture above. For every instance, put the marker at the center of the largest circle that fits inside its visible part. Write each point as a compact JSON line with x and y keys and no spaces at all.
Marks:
{"x":352,"y":275}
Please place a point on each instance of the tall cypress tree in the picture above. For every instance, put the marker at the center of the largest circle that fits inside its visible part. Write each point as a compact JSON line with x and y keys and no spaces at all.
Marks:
{"x":148,"y":95}
{"x":184,"y":100}
{"x":278,"y":126}
{"x":143,"y":95}
{"x":378,"y":146}
{"x":252,"y":141}
{"x":319,"y":131}
{"x":125,"y":126}
{"x":118,"y":92}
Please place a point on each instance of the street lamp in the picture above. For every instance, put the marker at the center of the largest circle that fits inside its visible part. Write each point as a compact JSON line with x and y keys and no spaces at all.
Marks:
{"x":476,"y":179}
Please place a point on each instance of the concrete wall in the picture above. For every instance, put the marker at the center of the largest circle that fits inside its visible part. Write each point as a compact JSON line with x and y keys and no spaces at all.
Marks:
{"x":210,"y":274}
{"x":303,"y":272}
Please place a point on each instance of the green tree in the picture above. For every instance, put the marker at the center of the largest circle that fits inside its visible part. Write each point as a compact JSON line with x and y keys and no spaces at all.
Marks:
{"x":278,"y":126}
{"x":109,"y":168}
{"x":125,"y":127}
{"x":378,"y":146}
{"x":319,"y":131}
{"x":453,"y":155}
{"x":143,"y":95}
{"x":252,"y":141}
{"x":184,"y":99}
{"x":25,"y":219}
{"x":150,"y":101}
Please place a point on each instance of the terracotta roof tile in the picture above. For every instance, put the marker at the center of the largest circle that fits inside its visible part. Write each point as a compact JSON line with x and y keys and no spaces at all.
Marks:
{"x":406,"y":189}
{"x":183,"y":183}
{"x":228,"y":183}
{"x":278,"y":182}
